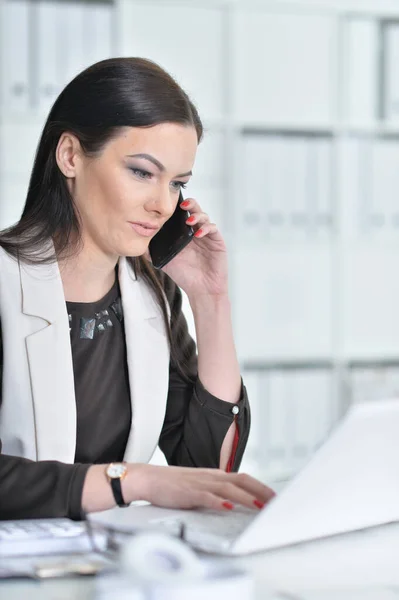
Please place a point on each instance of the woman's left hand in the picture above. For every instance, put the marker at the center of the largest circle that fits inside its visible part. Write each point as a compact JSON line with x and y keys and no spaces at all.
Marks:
{"x":201,"y":267}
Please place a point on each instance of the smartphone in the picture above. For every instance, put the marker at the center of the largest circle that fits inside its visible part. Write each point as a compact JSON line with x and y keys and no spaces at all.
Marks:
{"x":171,"y":238}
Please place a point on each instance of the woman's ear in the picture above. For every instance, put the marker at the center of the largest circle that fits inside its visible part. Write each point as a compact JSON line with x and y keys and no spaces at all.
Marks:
{"x":67,"y":154}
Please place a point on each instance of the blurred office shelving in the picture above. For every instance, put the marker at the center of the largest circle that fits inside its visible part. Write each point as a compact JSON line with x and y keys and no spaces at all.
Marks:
{"x":299,"y":167}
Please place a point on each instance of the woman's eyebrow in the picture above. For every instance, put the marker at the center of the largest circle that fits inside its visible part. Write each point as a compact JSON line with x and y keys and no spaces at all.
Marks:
{"x":157,"y":163}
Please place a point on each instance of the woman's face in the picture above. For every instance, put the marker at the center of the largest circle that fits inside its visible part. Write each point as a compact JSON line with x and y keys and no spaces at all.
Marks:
{"x":126,"y":194}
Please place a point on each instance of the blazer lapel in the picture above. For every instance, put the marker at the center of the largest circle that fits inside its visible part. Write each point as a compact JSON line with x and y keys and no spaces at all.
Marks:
{"x":51,"y":367}
{"x":50,"y":362}
{"x":148,"y":364}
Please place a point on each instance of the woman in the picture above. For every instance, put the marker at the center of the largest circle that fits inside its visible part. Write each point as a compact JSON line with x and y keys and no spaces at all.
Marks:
{"x":98,"y":367}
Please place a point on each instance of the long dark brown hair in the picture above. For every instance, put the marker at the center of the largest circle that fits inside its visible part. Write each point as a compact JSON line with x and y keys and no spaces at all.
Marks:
{"x":94,"y":106}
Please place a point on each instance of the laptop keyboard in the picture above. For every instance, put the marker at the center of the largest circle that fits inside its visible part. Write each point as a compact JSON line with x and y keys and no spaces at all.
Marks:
{"x":203,"y":527}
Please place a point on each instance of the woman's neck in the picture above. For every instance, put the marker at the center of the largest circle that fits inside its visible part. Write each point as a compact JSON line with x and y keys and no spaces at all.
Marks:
{"x":88,"y":276}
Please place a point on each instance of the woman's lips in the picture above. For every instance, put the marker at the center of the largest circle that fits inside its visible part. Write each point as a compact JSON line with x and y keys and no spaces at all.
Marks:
{"x":144,"y":229}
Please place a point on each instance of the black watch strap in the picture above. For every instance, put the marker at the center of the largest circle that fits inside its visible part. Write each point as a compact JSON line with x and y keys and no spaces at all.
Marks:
{"x":117,"y":491}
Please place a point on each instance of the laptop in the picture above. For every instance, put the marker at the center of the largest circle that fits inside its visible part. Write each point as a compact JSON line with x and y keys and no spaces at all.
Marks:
{"x":351,"y":483}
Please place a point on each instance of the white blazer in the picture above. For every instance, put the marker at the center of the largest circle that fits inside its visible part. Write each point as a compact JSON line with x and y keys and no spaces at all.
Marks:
{"x":38,"y":410}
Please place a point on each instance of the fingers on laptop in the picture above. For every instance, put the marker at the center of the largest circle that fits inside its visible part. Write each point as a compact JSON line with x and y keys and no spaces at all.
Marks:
{"x":224,"y":490}
{"x":236,"y":495}
{"x":224,"y":497}
{"x":249,"y":484}
{"x":262,"y":492}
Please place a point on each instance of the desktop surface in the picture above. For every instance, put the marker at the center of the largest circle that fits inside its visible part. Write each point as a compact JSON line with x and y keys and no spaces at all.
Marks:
{"x":358,"y":566}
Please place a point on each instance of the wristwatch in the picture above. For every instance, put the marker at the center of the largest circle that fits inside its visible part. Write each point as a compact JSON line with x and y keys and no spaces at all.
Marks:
{"x":115,"y":472}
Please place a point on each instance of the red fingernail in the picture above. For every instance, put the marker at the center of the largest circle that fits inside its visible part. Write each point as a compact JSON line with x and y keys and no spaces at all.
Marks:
{"x":190,"y":219}
{"x":198,"y":233}
{"x":185,"y":203}
{"x":259,"y":504}
{"x":228,"y":505}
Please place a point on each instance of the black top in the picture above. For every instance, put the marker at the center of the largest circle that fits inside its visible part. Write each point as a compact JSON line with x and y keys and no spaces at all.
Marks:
{"x":101,"y":378}
{"x":195,"y":425}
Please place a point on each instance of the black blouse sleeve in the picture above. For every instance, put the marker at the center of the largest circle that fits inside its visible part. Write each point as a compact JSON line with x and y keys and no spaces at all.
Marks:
{"x":31,"y":489}
{"x":196,"y":422}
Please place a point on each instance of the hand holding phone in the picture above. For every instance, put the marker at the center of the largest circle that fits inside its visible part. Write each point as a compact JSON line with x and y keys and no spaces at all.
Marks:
{"x":171,"y":238}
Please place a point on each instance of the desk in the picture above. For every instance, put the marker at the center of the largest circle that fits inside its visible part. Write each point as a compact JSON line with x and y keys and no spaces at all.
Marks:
{"x":368,"y":558}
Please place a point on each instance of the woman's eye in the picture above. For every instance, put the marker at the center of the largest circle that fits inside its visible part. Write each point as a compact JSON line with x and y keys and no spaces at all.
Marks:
{"x":179,"y":185}
{"x":141,"y":173}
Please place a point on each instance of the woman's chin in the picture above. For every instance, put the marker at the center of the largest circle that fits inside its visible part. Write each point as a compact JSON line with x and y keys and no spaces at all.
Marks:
{"x":133,"y":250}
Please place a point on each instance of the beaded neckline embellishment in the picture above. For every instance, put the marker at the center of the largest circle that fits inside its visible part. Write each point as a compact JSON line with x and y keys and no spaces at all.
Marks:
{"x":100,"y":322}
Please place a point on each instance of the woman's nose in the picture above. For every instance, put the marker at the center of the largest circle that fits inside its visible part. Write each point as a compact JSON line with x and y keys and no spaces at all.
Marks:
{"x":163,"y":203}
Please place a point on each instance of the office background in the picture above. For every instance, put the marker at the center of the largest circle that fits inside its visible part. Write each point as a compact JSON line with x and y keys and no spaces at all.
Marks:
{"x":299,"y":167}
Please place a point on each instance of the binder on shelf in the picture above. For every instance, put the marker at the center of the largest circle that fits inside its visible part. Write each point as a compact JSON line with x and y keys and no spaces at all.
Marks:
{"x":15,"y":67}
{"x":361,"y":81}
{"x":349,"y":188}
{"x":320,"y":182}
{"x":250,"y":211}
{"x":319,"y":386}
{"x":362,"y":384}
{"x":286,"y":193}
{"x":368,"y":219}
{"x":301,"y":414}
{"x":368,"y":168}
{"x":279,"y":422}
{"x":384,"y":184}
{"x":394,"y":381}
{"x":368,"y":382}
{"x":390,"y":71}
{"x":47,"y":42}
{"x":69,"y":36}
{"x":304,"y":416}
{"x":266,"y":198}
{"x":294,"y":175}
{"x":273,"y":180}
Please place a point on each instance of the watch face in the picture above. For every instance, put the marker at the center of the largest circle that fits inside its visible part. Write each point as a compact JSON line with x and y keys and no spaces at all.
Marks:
{"x":116,"y":470}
